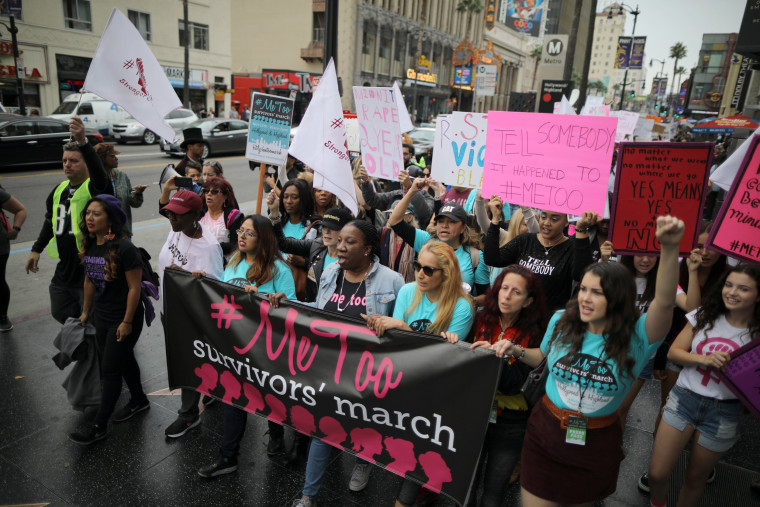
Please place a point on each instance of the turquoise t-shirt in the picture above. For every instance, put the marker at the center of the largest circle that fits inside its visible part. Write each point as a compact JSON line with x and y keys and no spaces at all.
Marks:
{"x":282,"y":281}
{"x":329,"y":260}
{"x":602,"y":385}
{"x":291,"y":230}
{"x":479,"y":276}
{"x":425,"y":313}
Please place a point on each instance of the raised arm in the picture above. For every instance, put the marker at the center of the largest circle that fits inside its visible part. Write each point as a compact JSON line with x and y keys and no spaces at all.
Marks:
{"x":690,"y":301}
{"x":660,"y":314}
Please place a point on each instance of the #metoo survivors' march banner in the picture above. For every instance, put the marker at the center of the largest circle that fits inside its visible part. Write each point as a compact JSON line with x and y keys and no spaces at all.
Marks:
{"x":460,"y":145}
{"x":398,"y":402}
{"x":737,"y":227}
{"x":554,"y":162}
{"x":269,"y":129}
{"x":654,"y":179}
{"x":742,"y":374}
{"x":378,"y":113}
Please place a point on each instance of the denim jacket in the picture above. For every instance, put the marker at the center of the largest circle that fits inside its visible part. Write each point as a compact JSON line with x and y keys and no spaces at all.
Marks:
{"x":382,"y":286}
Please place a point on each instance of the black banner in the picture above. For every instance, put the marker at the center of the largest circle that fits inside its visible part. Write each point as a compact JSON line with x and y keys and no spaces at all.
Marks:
{"x":409,"y":402}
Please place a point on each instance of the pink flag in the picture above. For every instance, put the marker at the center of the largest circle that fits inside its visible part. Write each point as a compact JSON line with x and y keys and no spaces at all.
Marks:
{"x":320,"y":141}
{"x":125,"y":72}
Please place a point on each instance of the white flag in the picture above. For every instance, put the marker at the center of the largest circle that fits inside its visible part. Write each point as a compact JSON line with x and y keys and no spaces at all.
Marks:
{"x":320,"y":141}
{"x":725,"y":174}
{"x":403,"y":113}
{"x":125,"y":71}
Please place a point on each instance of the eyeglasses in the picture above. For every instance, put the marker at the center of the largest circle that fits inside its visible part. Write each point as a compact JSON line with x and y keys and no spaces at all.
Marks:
{"x":213,"y":191}
{"x":425,"y":269}
{"x":249,"y":235}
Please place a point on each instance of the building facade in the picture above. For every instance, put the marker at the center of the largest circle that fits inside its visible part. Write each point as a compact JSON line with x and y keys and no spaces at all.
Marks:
{"x":58,"y":39}
{"x":711,"y":74}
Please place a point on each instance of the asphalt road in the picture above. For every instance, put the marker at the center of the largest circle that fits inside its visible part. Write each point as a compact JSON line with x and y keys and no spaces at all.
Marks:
{"x":143,"y":164}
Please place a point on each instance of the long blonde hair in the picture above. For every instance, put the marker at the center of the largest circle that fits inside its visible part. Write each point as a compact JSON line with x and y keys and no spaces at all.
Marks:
{"x":514,"y":226}
{"x":451,"y":287}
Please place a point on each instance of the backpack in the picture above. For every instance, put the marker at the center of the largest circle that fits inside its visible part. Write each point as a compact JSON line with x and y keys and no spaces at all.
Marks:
{"x":148,"y":274}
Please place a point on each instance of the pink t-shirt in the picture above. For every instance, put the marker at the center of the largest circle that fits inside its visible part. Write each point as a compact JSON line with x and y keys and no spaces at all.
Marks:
{"x":217,"y":227}
{"x":455,"y":196}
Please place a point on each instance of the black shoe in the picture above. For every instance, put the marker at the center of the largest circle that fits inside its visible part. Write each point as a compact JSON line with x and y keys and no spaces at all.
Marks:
{"x":5,"y":324}
{"x":644,"y":482}
{"x":275,"y":446}
{"x":711,"y":477}
{"x":219,"y":467}
{"x":300,"y":449}
{"x":207,"y":400}
{"x":129,"y":410}
{"x":88,"y":435}
{"x":180,"y":427}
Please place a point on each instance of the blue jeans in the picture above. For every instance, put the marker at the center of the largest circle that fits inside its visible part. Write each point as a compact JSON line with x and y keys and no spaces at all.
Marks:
{"x":502,"y":448}
{"x":319,"y":457}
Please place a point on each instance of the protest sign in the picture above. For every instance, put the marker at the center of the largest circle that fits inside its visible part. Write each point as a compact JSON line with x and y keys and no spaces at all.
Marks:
{"x":656,"y":179}
{"x":643,"y":128}
{"x":269,"y":129}
{"x":353,"y":137}
{"x":737,"y":227}
{"x":378,"y":114}
{"x":742,"y":375}
{"x":396,"y":402}
{"x":555,"y":162}
{"x":626,"y":125}
{"x":460,"y":143}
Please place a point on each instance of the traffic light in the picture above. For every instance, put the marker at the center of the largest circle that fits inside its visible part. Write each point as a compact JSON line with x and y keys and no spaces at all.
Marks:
{"x":664,"y":109}
{"x":657,"y":106}
{"x":633,"y":94}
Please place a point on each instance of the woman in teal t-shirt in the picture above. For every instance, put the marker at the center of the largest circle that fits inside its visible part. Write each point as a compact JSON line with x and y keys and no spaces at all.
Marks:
{"x":257,"y":266}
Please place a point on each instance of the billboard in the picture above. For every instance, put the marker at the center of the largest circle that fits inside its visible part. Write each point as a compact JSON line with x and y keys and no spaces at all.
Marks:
{"x":523,"y":16}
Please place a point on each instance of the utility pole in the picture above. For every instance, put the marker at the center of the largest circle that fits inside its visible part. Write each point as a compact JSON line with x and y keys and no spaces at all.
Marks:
{"x":587,"y":58}
{"x":186,"y":42}
{"x":573,"y":40}
{"x":331,"y":34}
{"x":423,"y":10}
{"x":19,"y":63}
{"x":635,"y":13}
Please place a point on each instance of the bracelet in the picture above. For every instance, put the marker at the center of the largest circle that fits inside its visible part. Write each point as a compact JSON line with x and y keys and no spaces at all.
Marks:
{"x":582,"y":231}
{"x":275,"y":220}
{"x":16,"y":228}
{"x":522,"y":355}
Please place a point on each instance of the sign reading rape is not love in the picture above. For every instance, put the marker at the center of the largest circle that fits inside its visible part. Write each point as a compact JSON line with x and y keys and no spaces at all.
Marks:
{"x":554,"y":162}
{"x":396,"y":402}
{"x":378,"y":113}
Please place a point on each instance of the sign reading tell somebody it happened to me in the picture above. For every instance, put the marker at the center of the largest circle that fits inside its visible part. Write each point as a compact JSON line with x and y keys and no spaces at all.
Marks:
{"x":737,"y":227}
{"x":460,"y":145}
{"x":269,"y":129}
{"x":559,"y":163}
{"x":656,"y":179}
{"x":381,"y":147}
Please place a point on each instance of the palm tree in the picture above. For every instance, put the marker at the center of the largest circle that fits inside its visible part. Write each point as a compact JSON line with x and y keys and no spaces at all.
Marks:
{"x":469,"y":7}
{"x":678,"y":52}
{"x":536,"y":55}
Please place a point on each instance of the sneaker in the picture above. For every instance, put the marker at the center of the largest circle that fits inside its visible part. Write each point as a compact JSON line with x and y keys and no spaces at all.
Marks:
{"x":129,"y":410}
{"x":644,"y":482}
{"x":275,"y":446}
{"x":360,"y":477}
{"x":305,"y":501}
{"x":88,"y":435}
{"x":711,"y":477}
{"x":207,"y":400}
{"x":219,"y":467}
{"x":180,"y":427}
{"x":5,"y":325}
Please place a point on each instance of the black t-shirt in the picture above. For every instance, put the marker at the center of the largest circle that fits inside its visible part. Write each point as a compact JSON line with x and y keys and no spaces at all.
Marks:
{"x":5,"y":244}
{"x":349,"y":298}
{"x":111,"y":294}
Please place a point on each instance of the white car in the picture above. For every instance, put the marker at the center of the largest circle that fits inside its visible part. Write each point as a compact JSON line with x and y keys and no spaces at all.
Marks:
{"x":132,"y":130}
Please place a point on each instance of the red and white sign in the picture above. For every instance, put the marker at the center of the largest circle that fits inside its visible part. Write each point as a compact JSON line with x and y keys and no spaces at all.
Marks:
{"x":304,"y":82}
{"x":33,"y":59}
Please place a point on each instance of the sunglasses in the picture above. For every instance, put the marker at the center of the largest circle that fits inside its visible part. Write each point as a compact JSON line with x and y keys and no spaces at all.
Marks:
{"x":425,"y":269}
{"x":249,"y":235}
{"x":213,"y":191}
{"x":212,"y":163}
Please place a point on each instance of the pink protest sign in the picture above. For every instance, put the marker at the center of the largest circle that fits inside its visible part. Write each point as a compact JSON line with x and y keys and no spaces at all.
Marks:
{"x":381,"y":147}
{"x":554,"y":162}
{"x":742,"y":375}
{"x":737,"y":227}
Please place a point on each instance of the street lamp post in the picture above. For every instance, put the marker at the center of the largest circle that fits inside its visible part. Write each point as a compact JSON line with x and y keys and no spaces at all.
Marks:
{"x":13,"y":29}
{"x":661,"y":73}
{"x":635,"y":13}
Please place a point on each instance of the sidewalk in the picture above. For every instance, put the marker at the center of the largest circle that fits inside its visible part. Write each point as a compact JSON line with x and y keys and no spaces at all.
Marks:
{"x":136,"y":465}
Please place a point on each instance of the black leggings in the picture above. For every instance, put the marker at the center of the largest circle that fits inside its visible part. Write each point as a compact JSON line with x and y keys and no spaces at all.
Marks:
{"x":117,"y":361}
{"x":5,"y":291}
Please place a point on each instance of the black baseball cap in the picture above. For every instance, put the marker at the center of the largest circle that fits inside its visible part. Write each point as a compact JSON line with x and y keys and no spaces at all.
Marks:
{"x":336,"y":218}
{"x":453,"y":211}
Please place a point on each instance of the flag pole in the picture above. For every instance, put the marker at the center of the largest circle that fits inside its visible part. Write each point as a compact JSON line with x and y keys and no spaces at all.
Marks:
{"x":260,"y":195}
{"x":81,"y":92}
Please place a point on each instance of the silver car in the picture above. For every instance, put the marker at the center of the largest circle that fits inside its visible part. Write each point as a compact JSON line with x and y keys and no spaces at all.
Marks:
{"x":132,"y":130}
{"x":219,"y":136}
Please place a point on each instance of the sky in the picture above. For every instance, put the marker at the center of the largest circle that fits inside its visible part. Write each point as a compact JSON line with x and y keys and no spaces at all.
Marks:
{"x":666,"y":22}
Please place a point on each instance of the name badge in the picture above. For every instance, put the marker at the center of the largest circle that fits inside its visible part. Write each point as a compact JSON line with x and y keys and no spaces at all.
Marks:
{"x":576,"y":430}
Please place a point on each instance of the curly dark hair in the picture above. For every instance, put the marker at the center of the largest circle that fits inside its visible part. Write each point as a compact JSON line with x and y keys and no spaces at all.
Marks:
{"x":713,"y":306}
{"x":225,"y":187}
{"x":370,"y":235}
{"x":651,"y":276}
{"x":533,"y":318}
{"x":263,"y":269}
{"x":113,"y":261}
{"x":620,"y":291}
{"x":307,"y":199}
{"x":716,"y":270}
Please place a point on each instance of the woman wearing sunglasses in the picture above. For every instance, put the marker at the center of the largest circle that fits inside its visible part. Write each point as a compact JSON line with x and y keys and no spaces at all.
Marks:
{"x":257,"y":266}
{"x":222,"y":217}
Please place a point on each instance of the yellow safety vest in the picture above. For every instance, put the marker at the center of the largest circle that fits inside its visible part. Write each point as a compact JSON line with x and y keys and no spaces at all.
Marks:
{"x":77,"y":204}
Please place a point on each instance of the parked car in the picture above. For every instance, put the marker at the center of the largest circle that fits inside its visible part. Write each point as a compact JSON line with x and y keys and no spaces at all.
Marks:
{"x":96,"y":113}
{"x":132,"y":130}
{"x":219,"y":136}
{"x":423,"y":139}
{"x":35,"y":140}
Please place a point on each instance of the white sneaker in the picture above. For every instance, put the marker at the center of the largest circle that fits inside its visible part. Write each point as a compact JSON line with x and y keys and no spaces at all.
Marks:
{"x":305,"y":501}
{"x":360,"y":476}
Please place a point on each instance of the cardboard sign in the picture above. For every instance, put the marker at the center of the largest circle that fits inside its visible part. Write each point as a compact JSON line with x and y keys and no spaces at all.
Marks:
{"x":656,"y":179}
{"x":269,"y":129}
{"x":553,"y":162}
{"x":353,"y":137}
{"x":626,"y":125}
{"x":737,"y":226}
{"x":378,"y":113}
{"x":460,"y":144}
{"x":742,"y":376}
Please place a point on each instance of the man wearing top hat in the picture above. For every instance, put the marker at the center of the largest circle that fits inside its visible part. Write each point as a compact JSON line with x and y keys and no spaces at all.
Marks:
{"x":192,"y":145}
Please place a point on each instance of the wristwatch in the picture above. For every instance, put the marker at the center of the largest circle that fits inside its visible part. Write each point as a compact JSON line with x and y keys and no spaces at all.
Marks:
{"x":83,"y":142}
{"x":16,"y":228}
